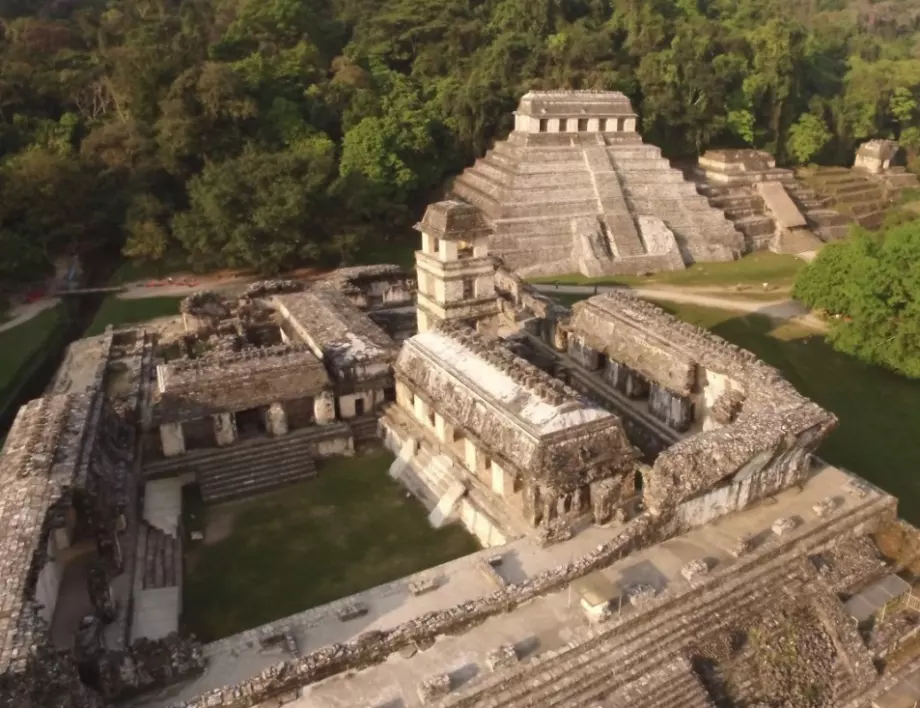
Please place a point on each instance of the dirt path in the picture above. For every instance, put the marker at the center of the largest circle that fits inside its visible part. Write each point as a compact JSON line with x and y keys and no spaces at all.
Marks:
{"x":25,"y":312}
{"x":781,"y":309}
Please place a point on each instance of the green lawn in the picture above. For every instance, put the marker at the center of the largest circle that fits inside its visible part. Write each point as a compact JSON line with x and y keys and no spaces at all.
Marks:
{"x":879,"y":412}
{"x":755,"y":269}
{"x":116,"y":311}
{"x":21,"y":349}
{"x":347,"y":530}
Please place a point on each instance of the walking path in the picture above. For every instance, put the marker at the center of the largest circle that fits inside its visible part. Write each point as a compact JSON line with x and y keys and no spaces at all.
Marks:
{"x":781,"y":309}
{"x":25,"y":312}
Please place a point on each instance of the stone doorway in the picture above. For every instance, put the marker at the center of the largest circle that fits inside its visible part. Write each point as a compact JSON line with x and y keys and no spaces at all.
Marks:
{"x":359,"y":407}
{"x":251,"y":422}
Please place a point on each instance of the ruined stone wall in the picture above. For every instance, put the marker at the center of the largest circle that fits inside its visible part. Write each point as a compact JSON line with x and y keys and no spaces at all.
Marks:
{"x":230,"y":382}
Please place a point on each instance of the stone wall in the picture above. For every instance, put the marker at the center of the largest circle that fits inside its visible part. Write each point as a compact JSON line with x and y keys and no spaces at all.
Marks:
{"x":195,"y":388}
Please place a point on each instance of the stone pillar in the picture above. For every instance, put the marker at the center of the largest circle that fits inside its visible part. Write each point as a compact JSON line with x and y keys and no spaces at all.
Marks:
{"x":549,"y":507}
{"x":502,"y":481}
{"x":593,"y":125}
{"x":276,"y":420}
{"x":531,"y":504}
{"x":421,"y":411}
{"x":630,"y":125}
{"x":443,"y":429}
{"x":173,"y":440}
{"x":560,"y":339}
{"x":471,"y":455}
{"x":347,"y":405}
{"x":224,"y":429}
{"x":324,"y":408}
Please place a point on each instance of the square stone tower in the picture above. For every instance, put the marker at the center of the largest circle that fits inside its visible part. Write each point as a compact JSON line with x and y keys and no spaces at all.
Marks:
{"x":455,"y":271}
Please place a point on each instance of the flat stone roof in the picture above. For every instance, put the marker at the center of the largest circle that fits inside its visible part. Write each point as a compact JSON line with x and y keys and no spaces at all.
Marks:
{"x":235,"y":381}
{"x":335,"y":329}
{"x":522,"y":416}
{"x":576,"y":104}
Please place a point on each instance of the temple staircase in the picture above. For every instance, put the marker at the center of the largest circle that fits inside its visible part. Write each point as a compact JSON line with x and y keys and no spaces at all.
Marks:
{"x":161,"y":558}
{"x":620,"y":228}
{"x":851,"y":192}
{"x":250,"y":466}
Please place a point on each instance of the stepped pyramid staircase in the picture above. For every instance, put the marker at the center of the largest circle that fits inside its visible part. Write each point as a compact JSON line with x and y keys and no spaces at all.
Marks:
{"x":552,"y":204}
{"x":745,"y":207}
{"x":250,"y":466}
{"x":852,"y":192}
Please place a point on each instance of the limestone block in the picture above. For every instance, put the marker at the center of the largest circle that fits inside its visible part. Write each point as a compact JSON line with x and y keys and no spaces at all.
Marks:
{"x":172,"y":439}
{"x":324,"y":408}
{"x":352,"y":610}
{"x":743,"y":546}
{"x":694,"y":570}
{"x":433,"y":688}
{"x":502,"y":657}
{"x":422,"y":585}
{"x":640,"y":594}
{"x":276,"y":419}
{"x":783,"y":525}
{"x":225,"y":429}
{"x":825,"y":507}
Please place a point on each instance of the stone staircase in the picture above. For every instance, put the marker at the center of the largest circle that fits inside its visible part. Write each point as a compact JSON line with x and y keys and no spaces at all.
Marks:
{"x":634,"y":646}
{"x":621,"y":229}
{"x":851,"y":192}
{"x":251,"y":466}
{"x":161,"y":558}
{"x":364,"y":429}
{"x":675,"y":685}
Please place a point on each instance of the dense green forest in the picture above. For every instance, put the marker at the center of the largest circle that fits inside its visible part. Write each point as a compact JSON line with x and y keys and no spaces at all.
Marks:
{"x":268,"y":133}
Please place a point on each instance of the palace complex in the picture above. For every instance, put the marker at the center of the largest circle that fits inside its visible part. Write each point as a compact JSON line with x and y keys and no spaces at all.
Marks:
{"x":655,"y":527}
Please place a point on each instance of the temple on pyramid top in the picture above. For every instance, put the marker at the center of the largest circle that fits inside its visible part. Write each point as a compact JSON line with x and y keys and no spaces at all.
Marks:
{"x":575,"y":189}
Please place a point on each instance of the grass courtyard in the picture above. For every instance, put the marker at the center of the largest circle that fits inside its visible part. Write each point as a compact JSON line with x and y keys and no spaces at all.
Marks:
{"x":349,"y":529}
{"x":117,"y":311}
{"x":778,"y":270}
{"x":22,"y":347}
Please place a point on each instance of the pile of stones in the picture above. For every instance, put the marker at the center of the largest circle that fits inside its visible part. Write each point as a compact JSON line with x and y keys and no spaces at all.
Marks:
{"x":277,"y":286}
{"x":149,"y":664}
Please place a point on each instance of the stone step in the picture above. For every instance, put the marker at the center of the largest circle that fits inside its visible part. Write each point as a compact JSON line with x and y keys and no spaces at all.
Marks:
{"x":250,"y":482}
{"x":736,"y":213}
{"x":364,"y":429}
{"x":752,"y":226}
{"x":161,"y":562}
{"x":798,"y":241}
{"x":244,"y":450}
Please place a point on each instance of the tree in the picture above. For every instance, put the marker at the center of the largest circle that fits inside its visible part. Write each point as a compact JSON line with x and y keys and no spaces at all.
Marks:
{"x":261,"y":210}
{"x":873,"y":282}
{"x":807,"y":137}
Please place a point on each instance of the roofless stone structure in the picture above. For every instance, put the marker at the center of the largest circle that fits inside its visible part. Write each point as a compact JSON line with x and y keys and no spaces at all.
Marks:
{"x":574,"y":188}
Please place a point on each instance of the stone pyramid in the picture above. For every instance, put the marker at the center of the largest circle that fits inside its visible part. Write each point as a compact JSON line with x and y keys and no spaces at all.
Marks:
{"x":574,"y":189}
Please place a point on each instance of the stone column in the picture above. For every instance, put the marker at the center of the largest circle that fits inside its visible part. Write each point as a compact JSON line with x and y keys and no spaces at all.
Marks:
{"x":324,"y":408}
{"x":276,"y":420}
{"x":224,"y":429}
{"x":173,"y":439}
{"x":502,"y":481}
{"x":471,"y":456}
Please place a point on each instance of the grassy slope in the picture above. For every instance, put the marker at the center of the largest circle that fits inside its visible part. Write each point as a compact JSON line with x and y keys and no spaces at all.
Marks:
{"x":347,"y":530}
{"x":21,"y":349}
{"x":115,"y":311}
{"x":879,"y":412}
{"x":755,"y":269}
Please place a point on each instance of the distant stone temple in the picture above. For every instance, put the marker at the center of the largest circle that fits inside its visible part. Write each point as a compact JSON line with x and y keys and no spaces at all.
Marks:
{"x":575,"y":189}
{"x":656,"y":529}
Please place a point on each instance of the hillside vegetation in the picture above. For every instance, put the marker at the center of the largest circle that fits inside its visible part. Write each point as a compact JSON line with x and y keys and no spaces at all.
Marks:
{"x":270,"y":133}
